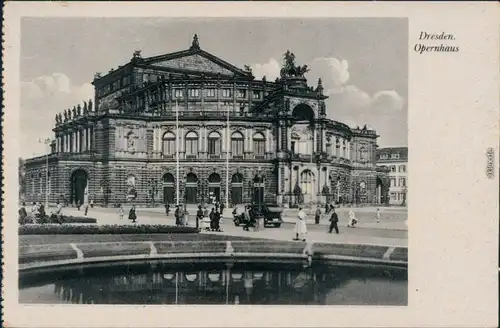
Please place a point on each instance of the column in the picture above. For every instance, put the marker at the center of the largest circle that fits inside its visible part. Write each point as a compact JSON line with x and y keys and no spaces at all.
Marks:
{"x":223,"y":141}
{"x":348,"y":150}
{"x":324,"y":140}
{"x":315,"y":139}
{"x":250,"y":140}
{"x":288,"y":134}
{"x":268,"y":141}
{"x":77,"y":132}
{"x":155,"y":139}
{"x":205,"y":139}
{"x":182,"y":145}
{"x":84,"y":143}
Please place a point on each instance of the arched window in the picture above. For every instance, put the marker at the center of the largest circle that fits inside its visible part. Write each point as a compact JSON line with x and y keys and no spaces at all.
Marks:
{"x":393,"y":168}
{"x":337,"y":147}
{"x":191,"y":144}
{"x":237,"y":144}
{"x":214,"y":145}
{"x":169,"y":143}
{"x":259,"y":145}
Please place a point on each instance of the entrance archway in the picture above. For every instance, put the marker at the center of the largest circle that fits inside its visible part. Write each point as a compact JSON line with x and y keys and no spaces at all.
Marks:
{"x":79,"y":187}
{"x":168,"y":188}
{"x":307,"y":183}
{"x":191,"y":188}
{"x":214,"y":188}
{"x":237,"y":189}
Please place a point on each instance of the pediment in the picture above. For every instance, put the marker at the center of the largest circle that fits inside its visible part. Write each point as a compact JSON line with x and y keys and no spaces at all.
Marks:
{"x":197,"y":62}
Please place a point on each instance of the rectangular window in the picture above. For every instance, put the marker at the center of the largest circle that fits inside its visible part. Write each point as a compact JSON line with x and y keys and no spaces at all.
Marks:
{"x":256,"y":94}
{"x":210,"y":92}
{"x":237,"y":147}
{"x":402,"y":168}
{"x":259,"y":147}
{"x":393,"y":182}
{"x":393,"y":196}
{"x":226,"y":93}
{"x":242,"y":93}
{"x":194,"y":93}
{"x":214,"y":147}
{"x":178,"y":93}
{"x":169,"y":146}
{"x":402,"y":182}
{"x":395,"y":156}
{"x":191,"y":146}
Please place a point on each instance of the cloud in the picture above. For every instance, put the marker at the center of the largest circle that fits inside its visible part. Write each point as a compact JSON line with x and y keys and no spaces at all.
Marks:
{"x":271,"y":70}
{"x":347,"y":102}
{"x":41,"y":99}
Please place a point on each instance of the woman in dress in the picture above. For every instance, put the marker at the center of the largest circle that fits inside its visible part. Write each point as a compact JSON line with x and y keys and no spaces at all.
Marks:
{"x":132,"y":215}
{"x":352,"y":219}
{"x":300,"y":226}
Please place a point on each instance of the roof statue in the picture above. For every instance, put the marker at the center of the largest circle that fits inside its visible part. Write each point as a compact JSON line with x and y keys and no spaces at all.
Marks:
{"x":85,"y":108}
{"x":57,"y":119}
{"x":65,"y":115}
{"x":319,"y":89}
{"x":196,"y":43}
{"x":248,"y":69}
{"x":97,"y":75}
{"x":90,"y":105}
{"x":137,"y":54}
{"x":289,"y":69}
{"x":74,"y":112}
{"x":79,"y":110}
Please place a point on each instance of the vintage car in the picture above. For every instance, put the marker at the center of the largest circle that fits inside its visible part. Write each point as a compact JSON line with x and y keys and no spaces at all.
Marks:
{"x":270,"y":212}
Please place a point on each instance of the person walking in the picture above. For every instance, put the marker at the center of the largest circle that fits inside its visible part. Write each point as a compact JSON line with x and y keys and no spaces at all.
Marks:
{"x":377,"y":215}
{"x":120,"y":212}
{"x":317,"y":216}
{"x":334,"y":219}
{"x":78,"y":205}
{"x":176,"y":215}
{"x":86,"y":207}
{"x":352,"y":219}
{"x":199,"y":216}
{"x":91,"y":203}
{"x":167,"y":208}
{"x":248,"y":218}
{"x":217,"y":221}
{"x":222,"y":207}
{"x":212,"y":219}
{"x":132,"y":215}
{"x":300,"y":226}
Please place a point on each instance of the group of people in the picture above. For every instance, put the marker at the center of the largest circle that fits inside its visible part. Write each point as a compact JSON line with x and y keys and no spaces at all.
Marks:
{"x":301,"y":227}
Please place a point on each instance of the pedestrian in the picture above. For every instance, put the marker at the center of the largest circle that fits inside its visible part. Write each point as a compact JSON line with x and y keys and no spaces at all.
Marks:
{"x":132,"y":215}
{"x":217,"y":221}
{"x":185,"y":216}
{"x":212,"y":219}
{"x":222,"y":207}
{"x":300,"y":226}
{"x":86,"y":206}
{"x":377,"y":215}
{"x":317,"y":216}
{"x":199,"y":216}
{"x":248,"y":218}
{"x":91,"y":203}
{"x":327,"y":208}
{"x":332,"y":207}
{"x":41,"y":211}
{"x":167,"y":208}
{"x":352,"y":219}
{"x":176,"y":215}
{"x":334,"y":219}
{"x":120,"y":212}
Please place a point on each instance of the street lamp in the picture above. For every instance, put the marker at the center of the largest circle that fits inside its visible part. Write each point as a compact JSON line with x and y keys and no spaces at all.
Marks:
{"x":46,"y":141}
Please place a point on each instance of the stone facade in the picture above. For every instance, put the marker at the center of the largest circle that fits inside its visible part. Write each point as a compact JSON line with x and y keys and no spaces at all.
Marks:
{"x":191,"y":120}
{"x":395,"y":161}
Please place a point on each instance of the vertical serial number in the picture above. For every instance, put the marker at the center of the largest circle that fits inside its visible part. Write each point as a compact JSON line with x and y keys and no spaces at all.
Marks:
{"x":490,"y":163}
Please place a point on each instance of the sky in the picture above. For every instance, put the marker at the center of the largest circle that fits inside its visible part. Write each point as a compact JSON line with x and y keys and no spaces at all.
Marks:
{"x":363,"y":62}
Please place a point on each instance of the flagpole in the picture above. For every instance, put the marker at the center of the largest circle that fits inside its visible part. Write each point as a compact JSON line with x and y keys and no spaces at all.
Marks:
{"x":177,"y":150}
{"x":227,"y":160}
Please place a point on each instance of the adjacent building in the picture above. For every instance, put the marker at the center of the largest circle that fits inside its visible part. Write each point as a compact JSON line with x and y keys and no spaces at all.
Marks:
{"x":189,"y":127}
{"x":396,"y":160}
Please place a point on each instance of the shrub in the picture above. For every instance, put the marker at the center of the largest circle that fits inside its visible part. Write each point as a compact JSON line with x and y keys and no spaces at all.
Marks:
{"x":67,"y":229}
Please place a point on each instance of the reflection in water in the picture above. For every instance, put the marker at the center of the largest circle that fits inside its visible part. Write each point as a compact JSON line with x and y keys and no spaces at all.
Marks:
{"x":218,"y":284}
